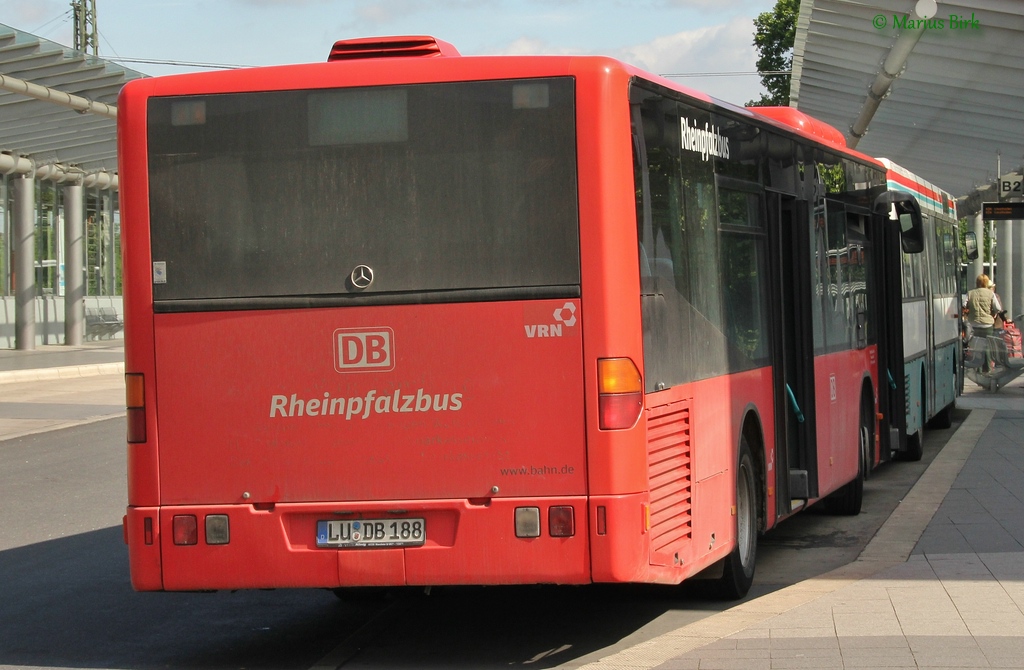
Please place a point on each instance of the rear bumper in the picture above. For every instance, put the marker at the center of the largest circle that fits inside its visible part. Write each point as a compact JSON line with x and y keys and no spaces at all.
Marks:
{"x":466,"y":543}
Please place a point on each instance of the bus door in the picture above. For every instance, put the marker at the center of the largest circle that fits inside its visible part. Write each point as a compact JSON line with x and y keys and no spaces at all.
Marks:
{"x":888,"y":280}
{"x":793,"y":352}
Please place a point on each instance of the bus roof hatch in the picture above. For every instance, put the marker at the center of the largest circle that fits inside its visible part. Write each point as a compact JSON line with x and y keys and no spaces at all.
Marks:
{"x":419,"y":46}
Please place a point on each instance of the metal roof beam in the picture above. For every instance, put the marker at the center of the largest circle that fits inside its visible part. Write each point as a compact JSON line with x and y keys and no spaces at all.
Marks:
{"x":77,"y":103}
{"x":892,"y":67}
{"x":11,"y":164}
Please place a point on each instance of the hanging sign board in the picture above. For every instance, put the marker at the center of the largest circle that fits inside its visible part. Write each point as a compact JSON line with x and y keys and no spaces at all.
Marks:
{"x":1002,"y":211}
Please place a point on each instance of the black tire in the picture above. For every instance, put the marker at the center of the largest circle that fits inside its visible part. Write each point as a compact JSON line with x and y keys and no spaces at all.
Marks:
{"x":364,"y":594}
{"x":915,"y":447}
{"x":738,"y":574}
{"x":944,"y":419}
{"x":867,"y":443}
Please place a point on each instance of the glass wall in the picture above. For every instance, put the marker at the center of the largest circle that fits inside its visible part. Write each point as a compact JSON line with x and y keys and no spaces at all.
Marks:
{"x":102,"y":242}
{"x":103,"y":239}
{"x":49,"y":238}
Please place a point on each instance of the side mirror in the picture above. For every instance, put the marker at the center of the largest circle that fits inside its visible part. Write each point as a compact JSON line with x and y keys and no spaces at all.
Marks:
{"x":902,"y":209}
{"x":971,"y":245}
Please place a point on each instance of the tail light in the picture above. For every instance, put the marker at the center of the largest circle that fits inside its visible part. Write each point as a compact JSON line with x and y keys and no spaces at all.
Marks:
{"x":620,"y":393}
{"x":185,"y":530}
{"x":135,"y":402}
{"x":561,"y":521}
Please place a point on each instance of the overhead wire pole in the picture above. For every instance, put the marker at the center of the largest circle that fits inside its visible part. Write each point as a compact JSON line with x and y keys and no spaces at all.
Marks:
{"x":86,"y":33}
{"x":992,"y":224}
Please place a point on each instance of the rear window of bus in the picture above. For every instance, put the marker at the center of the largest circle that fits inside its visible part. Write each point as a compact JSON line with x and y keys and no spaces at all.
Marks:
{"x":435,"y":187}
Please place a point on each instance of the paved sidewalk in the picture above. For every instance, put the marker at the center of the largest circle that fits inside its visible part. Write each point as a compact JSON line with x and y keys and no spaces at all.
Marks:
{"x":941,"y":585}
{"x":56,"y":361}
{"x":53,"y":387}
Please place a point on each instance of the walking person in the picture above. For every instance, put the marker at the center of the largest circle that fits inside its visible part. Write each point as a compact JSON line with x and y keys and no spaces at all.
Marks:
{"x":981,"y":311}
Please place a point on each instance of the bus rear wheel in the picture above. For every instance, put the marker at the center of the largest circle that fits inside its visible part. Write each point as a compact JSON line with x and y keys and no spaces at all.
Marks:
{"x":738,"y":575}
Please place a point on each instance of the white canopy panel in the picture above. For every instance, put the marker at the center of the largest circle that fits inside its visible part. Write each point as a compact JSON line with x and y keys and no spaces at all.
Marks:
{"x":49,"y":133}
{"x":958,"y":104}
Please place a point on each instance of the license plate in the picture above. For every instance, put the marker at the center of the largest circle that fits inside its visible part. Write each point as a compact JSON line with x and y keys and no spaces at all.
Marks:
{"x":366,"y":533}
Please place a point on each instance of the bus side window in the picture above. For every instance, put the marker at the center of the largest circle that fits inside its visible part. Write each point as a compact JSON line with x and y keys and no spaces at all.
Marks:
{"x":686,"y":247}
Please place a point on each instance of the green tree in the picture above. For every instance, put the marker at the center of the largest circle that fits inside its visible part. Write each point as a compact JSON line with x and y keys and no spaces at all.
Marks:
{"x":774,"y":35}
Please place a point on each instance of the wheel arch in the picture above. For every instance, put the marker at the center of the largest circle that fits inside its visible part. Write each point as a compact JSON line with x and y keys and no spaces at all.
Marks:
{"x":752,"y":429}
{"x":869,"y":398}
{"x":867,"y":390}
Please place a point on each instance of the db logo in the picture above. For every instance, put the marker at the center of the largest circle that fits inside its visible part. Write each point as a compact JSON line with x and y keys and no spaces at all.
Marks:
{"x":357,"y":350}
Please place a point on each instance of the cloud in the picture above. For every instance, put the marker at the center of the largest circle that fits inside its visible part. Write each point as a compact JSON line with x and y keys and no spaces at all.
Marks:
{"x":30,"y":15}
{"x":721,"y":48}
{"x":525,"y":46}
{"x":366,"y":15}
{"x":379,"y":13}
{"x":715,"y":52}
{"x":281,"y":3}
{"x":531,"y":46}
{"x":716,"y":5}
{"x":710,"y":51}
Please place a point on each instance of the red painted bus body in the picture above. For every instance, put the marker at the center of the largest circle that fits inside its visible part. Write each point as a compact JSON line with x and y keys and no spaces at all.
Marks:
{"x":261,"y":426}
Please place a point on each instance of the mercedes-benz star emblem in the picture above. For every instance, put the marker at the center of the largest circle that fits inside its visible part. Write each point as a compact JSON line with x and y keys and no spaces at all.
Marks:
{"x":361,"y":277}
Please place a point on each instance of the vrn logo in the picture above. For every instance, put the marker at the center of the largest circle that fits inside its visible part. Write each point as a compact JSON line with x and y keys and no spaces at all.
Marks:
{"x":562,"y":316}
{"x":357,"y":350}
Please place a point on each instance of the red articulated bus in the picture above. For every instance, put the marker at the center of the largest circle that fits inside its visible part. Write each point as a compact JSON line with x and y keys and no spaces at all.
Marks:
{"x":412,"y":318}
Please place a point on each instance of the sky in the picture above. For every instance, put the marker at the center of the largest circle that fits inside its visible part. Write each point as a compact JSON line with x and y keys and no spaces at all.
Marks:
{"x":713,"y":38}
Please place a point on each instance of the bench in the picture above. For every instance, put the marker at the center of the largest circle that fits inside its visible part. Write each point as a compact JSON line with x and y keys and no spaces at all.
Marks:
{"x":102,"y":322}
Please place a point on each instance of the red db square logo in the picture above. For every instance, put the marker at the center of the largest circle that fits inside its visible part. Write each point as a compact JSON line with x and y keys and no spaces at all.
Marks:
{"x":358,"y":350}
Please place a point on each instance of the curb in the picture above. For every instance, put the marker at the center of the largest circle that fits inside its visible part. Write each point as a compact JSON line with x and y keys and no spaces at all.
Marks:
{"x":69,"y":372}
{"x":890,"y":546}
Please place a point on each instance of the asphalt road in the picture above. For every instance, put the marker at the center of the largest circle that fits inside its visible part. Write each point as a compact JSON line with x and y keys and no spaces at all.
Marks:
{"x":67,"y":602}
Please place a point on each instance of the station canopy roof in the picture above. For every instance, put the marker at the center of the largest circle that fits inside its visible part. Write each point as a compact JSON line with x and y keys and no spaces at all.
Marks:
{"x":47,"y":132}
{"x":955,"y":108}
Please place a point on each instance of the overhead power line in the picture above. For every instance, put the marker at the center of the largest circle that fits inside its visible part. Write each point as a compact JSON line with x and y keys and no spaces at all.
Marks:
{"x":730,"y":74}
{"x":179,"y":63}
{"x":63,"y":17}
